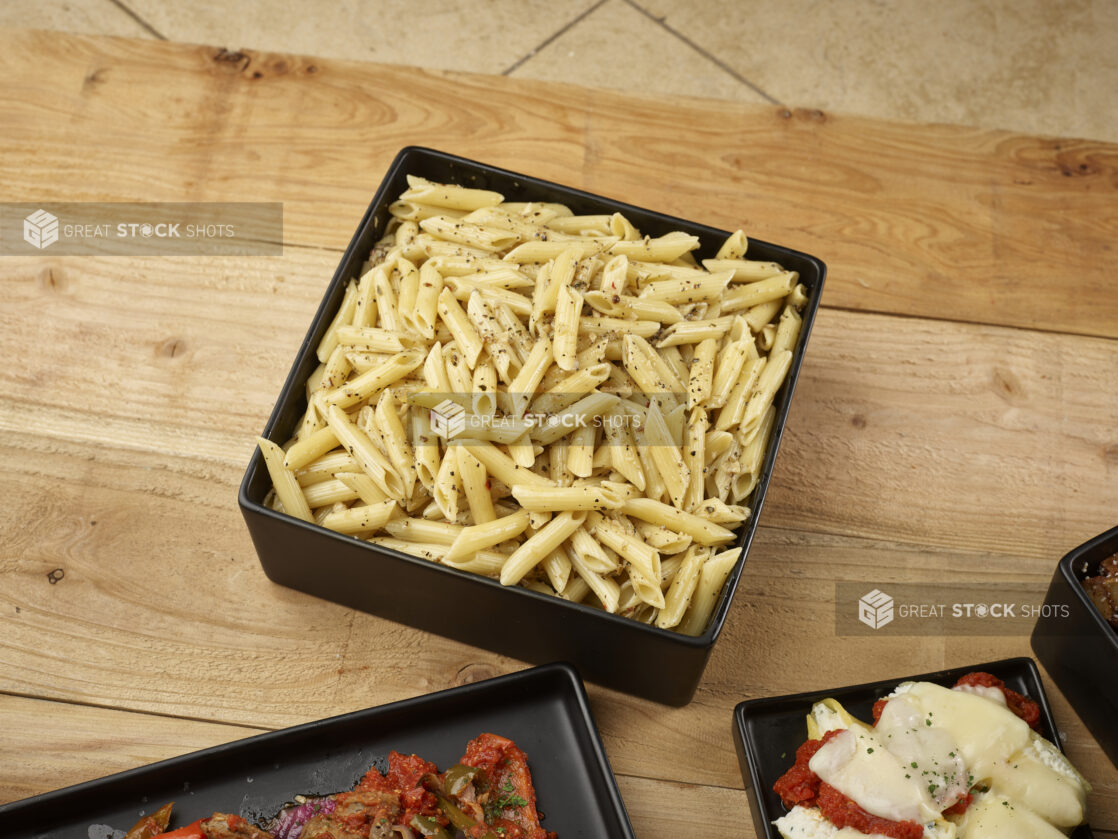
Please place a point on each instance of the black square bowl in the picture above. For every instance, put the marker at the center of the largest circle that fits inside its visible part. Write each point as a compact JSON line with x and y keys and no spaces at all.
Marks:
{"x":608,"y":649}
{"x":768,"y":731}
{"x":1077,"y":647}
{"x":544,"y":710}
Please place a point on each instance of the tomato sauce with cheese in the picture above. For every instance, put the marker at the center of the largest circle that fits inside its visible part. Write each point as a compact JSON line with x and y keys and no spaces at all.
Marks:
{"x":801,"y":786}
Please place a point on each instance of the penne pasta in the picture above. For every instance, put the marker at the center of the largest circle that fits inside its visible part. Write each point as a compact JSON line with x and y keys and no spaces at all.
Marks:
{"x":556,"y":401}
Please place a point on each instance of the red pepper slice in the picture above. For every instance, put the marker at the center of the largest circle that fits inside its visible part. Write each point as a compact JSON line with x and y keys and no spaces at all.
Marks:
{"x":191,"y":831}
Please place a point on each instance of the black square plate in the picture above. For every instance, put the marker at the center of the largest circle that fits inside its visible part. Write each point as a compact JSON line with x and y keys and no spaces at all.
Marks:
{"x":768,"y":731}
{"x":544,"y":710}
{"x":609,"y":649}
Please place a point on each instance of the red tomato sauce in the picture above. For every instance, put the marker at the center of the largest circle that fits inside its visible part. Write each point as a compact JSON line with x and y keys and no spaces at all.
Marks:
{"x":510,"y":797}
{"x":842,"y":811}
{"x":799,"y":785}
{"x":404,"y":779}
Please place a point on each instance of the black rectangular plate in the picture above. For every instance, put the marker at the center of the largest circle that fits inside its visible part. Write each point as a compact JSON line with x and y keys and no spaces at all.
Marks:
{"x":768,"y":731}
{"x":543,"y":709}
{"x":626,"y":655}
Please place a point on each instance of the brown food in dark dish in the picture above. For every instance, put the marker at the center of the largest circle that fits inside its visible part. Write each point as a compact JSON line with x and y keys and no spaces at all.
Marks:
{"x":1103,"y":590}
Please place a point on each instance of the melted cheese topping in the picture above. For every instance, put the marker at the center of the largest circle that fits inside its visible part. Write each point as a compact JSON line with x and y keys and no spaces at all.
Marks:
{"x":996,"y":817}
{"x":928,"y":753}
{"x":987,"y":733}
{"x":930,"y":747}
{"x":1045,"y":779}
{"x":857,"y":764}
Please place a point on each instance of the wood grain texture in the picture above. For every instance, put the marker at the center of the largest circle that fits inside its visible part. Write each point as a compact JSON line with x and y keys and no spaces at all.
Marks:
{"x":930,"y":436}
{"x":940,"y":221}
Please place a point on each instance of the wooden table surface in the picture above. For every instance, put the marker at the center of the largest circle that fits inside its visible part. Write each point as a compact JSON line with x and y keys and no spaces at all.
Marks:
{"x":955,"y":417}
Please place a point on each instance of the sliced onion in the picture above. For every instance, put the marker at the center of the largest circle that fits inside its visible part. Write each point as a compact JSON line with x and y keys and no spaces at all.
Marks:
{"x":404,"y":831}
{"x":290,"y":822}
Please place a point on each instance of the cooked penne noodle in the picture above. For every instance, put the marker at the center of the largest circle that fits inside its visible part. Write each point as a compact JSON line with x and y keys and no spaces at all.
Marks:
{"x":787,"y":330}
{"x":557,"y":567}
{"x":712,"y":578}
{"x":368,"y":383}
{"x":664,"y":249}
{"x":479,"y":536}
{"x":736,"y":403}
{"x":702,"y":530}
{"x":448,"y":482}
{"x":606,"y":496}
{"x":701,"y":286}
{"x":481,"y":315}
{"x":621,"y":448}
{"x":562,"y":423}
{"x":744,"y":270}
{"x":701,"y":374}
{"x":770,"y":380}
{"x":694,"y":456}
{"x":537,"y":251}
{"x":387,"y":420}
{"x":694,"y":331}
{"x":426,"y":313}
{"x":577,"y":225}
{"x":613,"y":535}
{"x":605,"y":589}
{"x":727,"y":374}
{"x":664,"y":540}
{"x":372,"y":462}
{"x":500,"y":465}
{"x":682,"y":588}
{"x":474,"y":487}
{"x":570,"y":389}
{"x":370,"y":338}
{"x":539,"y":545}
{"x":515,"y":333}
{"x":325,"y":494}
{"x":414,"y":211}
{"x":363,"y":519}
{"x":734,"y":247}
{"x":310,"y":448}
{"x":363,"y":485}
{"x":564,"y":341}
{"x":580,"y":451}
{"x":287,"y":488}
{"x":465,"y":335}
{"x":666,"y":456}
{"x":481,"y":238}
{"x":422,"y":191}
{"x":325,"y":467}
{"x":343,"y":316}
{"x":590,"y":555}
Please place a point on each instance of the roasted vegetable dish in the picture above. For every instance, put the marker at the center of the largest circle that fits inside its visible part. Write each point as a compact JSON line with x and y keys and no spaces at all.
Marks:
{"x":486,"y":795}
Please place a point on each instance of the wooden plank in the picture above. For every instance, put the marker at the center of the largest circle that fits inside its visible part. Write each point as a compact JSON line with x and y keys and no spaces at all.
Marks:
{"x":939,"y":221}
